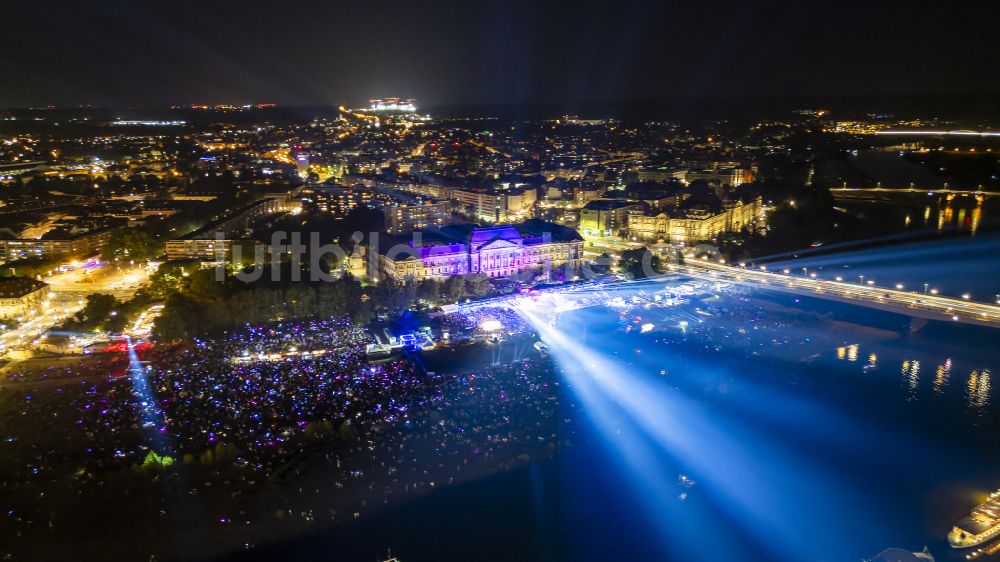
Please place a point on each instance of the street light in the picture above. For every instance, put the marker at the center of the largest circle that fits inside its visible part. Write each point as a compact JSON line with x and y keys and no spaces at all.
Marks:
{"x":925,"y":287}
{"x":899,"y":286}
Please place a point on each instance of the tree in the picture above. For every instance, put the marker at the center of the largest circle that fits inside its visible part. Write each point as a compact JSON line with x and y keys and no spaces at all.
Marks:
{"x":640,"y":263}
{"x":180,"y":319}
{"x":478,"y":285}
{"x":207,"y":305}
{"x":96,"y":310}
{"x":203,"y":285}
{"x":454,"y":289}
{"x":154,"y":461}
{"x":31,"y":267}
{"x":133,"y":244}
{"x":116,"y":323}
{"x":396,"y":297}
{"x":170,"y":277}
{"x":602,"y":264}
{"x":429,"y":290}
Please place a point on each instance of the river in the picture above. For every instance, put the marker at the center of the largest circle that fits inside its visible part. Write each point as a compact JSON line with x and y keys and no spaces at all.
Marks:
{"x":804,"y":430}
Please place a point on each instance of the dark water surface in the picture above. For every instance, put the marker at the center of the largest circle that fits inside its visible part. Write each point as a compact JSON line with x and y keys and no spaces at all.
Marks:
{"x":812,"y":431}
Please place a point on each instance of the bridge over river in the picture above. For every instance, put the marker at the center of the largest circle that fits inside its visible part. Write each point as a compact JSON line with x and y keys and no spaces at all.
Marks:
{"x":910,"y":303}
{"x":875,"y":193}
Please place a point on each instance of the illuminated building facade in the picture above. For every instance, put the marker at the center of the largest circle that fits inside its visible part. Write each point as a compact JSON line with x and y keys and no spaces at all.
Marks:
{"x":336,"y":200}
{"x":84,"y":244}
{"x":430,"y":214}
{"x":496,"y":251}
{"x":21,"y":296}
{"x":661,"y":175}
{"x":682,"y":226}
{"x":216,"y":240}
{"x":495,"y":206}
{"x":726,"y":175}
{"x":605,"y":217}
{"x":392,"y":105}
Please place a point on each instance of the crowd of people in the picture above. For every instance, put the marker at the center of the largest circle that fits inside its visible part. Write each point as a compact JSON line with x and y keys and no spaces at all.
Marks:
{"x":481,"y":321}
{"x":290,"y":416}
{"x":292,"y":420}
{"x":285,"y":424}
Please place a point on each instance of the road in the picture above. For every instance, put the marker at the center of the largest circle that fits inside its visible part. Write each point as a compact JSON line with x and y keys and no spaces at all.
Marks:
{"x":57,"y":309}
{"x":848,"y":191}
{"x":68,"y":293}
{"x":122,"y":283}
{"x":612,"y":245}
{"x":921,"y":305}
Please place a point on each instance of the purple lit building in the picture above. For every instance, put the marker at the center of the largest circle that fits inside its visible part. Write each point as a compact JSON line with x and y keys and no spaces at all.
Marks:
{"x":494,"y":251}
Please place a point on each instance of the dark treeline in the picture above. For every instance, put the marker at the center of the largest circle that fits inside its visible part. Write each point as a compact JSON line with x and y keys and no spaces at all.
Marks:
{"x":205,"y":305}
{"x":197,"y":303}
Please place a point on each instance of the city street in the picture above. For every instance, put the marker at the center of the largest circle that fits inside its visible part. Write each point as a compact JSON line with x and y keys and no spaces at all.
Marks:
{"x":68,"y":295}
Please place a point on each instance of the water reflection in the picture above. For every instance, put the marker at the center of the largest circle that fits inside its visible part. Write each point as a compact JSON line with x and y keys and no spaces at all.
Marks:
{"x":911,"y":374}
{"x":942,"y":376}
{"x":978,"y":386}
{"x":978,"y":392}
{"x":849,"y":352}
{"x":967,"y":218}
{"x":944,"y":217}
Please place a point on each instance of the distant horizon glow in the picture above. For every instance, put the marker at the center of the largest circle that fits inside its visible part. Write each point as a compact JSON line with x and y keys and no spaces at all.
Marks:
{"x":940,"y":133}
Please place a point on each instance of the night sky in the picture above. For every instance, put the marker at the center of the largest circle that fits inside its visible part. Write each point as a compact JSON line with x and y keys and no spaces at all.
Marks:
{"x":151,"y":52}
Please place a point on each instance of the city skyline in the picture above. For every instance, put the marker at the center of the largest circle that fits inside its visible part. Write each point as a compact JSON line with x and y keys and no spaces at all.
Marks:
{"x":499,"y":281}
